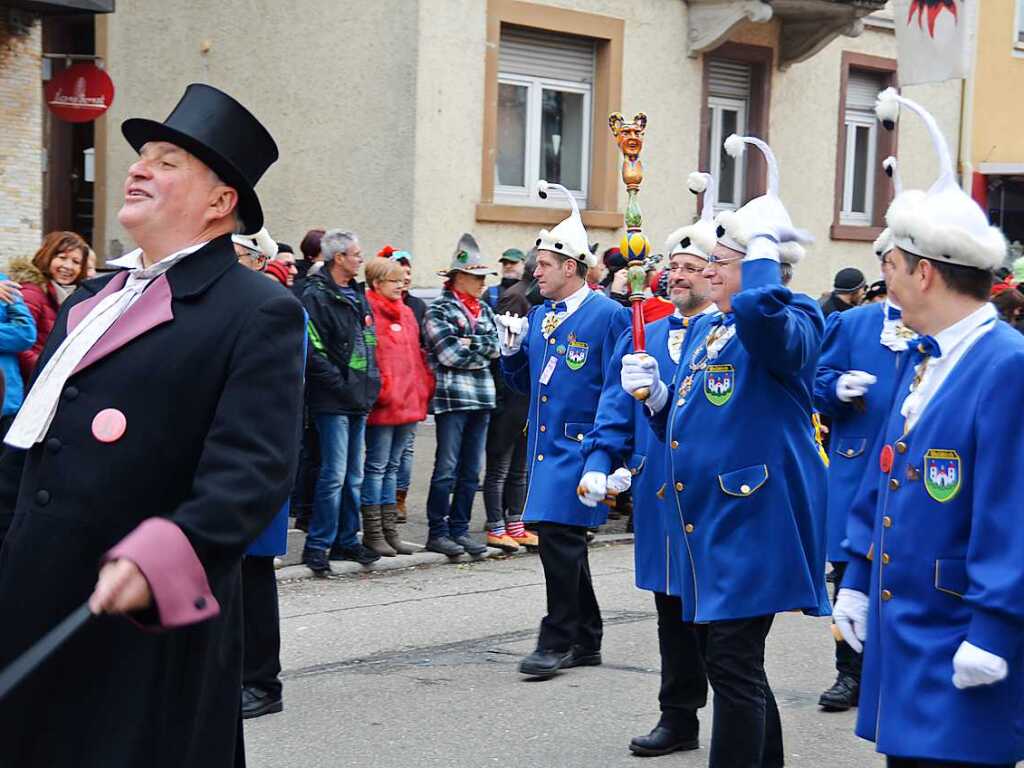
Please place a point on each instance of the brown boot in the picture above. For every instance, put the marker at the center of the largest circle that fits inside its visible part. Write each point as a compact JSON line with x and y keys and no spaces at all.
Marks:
{"x":400,"y":498}
{"x":389,"y":519}
{"x":373,"y":533}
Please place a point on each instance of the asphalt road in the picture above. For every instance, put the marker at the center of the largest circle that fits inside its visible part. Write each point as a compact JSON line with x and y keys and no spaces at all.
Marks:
{"x":418,"y":667}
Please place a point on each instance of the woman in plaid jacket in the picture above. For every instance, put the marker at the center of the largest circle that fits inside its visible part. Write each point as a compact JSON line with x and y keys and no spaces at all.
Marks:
{"x":462,"y":339}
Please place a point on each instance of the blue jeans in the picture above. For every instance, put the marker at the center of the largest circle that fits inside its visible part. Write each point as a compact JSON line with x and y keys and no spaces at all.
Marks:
{"x":385,"y":444}
{"x":405,"y":467}
{"x":336,"y":498}
{"x":461,"y":436}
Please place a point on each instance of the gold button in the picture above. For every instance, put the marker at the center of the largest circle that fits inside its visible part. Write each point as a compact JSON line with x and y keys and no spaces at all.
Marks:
{"x":894,"y":484}
{"x":540,"y":457}
{"x":679,"y":486}
{"x":579,"y":435}
{"x":850,"y":451}
{"x":543,"y":428}
{"x":689,"y":528}
{"x":551,"y":340}
{"x":543,"y":398}
{"x":680,"y":401}
{"x":885,"y":558}
{"x":901,"y":447}
{"x":744,"y":489}
{"x":887,"y":522}
{"x":886,"y":595}
{"x":675,"y":443}
{"x":913,"y":473}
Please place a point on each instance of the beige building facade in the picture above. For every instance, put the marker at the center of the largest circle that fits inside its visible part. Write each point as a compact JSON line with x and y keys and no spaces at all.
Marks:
{"x":411,"y":122}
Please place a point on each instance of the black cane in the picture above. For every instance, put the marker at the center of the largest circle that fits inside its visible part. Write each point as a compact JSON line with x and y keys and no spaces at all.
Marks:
{"x":30,"y":660}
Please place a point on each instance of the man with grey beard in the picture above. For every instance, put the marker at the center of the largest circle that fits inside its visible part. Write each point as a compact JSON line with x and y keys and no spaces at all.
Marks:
{"x":684,"y":685}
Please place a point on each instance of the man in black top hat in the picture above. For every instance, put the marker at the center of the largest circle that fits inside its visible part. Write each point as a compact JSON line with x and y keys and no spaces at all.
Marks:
{"x":159,"y":439}
{"x":848,"y":291}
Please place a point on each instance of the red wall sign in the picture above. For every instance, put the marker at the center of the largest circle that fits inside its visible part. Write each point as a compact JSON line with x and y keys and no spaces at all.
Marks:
{"x":80,"y":93}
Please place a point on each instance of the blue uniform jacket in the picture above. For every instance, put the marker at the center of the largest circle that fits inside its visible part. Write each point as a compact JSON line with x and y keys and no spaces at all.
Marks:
{"x":742,"y":463}
{"x":654,"y":536}
{"x":581,"y":419}
{"x":852,"y":344}
{"x":17,"y":333}
{"x":945,"y":563}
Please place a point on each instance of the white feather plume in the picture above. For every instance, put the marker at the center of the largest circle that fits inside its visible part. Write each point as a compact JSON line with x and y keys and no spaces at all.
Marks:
{"x":887,"y":107}
{"x":697,"y":182}
{"x":735,"y":145}
{"x":266,"y":243}
{"x":542,"y":188}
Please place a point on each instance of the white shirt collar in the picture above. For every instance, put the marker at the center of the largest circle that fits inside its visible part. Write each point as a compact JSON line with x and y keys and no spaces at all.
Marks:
{"x":710,"y":309}
{"x":951,"y":337}
{"x":574,"y":300}
{"x":133,"y":259}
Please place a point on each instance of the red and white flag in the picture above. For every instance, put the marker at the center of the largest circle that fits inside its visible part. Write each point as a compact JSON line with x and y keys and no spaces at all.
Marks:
{"x":934,"y":39}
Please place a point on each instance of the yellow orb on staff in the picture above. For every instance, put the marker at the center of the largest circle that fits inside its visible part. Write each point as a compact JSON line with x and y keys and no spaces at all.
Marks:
{"x":635,"y":246}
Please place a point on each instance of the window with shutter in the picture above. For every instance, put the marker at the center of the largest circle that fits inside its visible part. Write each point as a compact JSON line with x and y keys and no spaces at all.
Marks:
{"x":861,"y":138}
{"x":545,"y":83}
{"x":728,"y":107}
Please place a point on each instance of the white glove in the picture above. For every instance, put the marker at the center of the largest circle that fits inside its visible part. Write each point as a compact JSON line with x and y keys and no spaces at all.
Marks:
{"x":850,"y":614}
{"x":641,"y":370}
{"x":853,"y":384}
{"x":766,"y":238}
{"x":975,"y":666}
{"x":511,"y":331}
{"x":593,"y":488}
{"x":619,"y":481}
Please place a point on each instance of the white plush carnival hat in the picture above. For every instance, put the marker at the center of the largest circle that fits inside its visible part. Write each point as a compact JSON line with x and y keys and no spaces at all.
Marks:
{"x":568,"y":237}
{"x":261,"y":242}
{"x":884,"y":242}
{"x":942,"y":224}
{"x":697,"y":239}
{"x":735,"y":227}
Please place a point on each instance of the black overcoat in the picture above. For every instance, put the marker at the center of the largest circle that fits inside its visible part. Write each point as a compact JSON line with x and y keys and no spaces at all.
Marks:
{"x":212,"y":400}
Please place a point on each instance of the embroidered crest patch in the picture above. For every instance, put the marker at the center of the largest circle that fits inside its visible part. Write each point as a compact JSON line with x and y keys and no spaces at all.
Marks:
{"x":576,"y":353}
{"x":719,"y":383}
{"x":943,"y":474}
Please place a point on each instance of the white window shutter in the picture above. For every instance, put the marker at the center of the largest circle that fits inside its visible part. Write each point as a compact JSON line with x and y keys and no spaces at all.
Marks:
{"x":728,"y":78}
{"x":862,"y":90}
{"x":536,"y":53}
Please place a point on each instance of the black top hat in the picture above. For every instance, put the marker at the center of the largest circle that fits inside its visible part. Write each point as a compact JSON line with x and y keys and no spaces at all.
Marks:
{"x":220,"y":132}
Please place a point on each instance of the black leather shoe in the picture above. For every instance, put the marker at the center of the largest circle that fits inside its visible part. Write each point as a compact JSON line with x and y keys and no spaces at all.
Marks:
{"x":316,"y":560}
{"x":843,"y":695}
{"x":256,"y":702}
{"x":663,"y":741}
{"x":471,"y":545}
{"x":445,"y":546}
{"x":543,"y":663}
{"x":358,"y":553}
{"x":583,"y":657}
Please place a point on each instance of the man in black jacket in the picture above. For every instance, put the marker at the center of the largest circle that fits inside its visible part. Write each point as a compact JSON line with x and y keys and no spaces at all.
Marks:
{"x":342,"y":384}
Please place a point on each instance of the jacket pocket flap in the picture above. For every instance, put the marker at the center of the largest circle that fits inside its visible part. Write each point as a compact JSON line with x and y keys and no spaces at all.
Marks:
{"x":743,"y":482}
{"x":951,"y":576}
{"x":850,"y":447}
{"x":577,"y":430}
{"x":636,"y":463}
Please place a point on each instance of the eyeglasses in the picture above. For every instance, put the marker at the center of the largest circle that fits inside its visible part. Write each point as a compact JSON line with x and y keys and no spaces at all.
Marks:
{"x":687,"y":268}
{"x":718,"y":261}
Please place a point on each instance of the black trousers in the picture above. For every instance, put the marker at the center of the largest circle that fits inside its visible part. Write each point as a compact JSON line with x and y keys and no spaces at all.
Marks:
{"x":307,"y":472}
{"x":574,"y":617}
{"x":505,"y":481}
{"x":684,"y":681}
{"x":262,"y":642}
{"x":746,"y":730}
{"x":910,"y":762}
{"x":848,"y":661}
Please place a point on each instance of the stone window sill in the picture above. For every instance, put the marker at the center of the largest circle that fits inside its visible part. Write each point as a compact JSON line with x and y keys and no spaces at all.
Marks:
{"x":530,"y":214}
{"x":850,"y":232}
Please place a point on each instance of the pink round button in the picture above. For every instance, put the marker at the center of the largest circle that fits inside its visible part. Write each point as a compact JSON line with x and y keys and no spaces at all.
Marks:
{"x":109,"y":425}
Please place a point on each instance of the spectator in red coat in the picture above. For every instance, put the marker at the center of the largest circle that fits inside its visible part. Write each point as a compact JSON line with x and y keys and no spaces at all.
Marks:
{"x":46,"y":281}
{"x":406,"y":388}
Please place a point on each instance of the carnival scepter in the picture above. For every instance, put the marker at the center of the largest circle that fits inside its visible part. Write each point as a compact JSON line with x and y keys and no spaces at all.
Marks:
{"x":635,"y":246}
